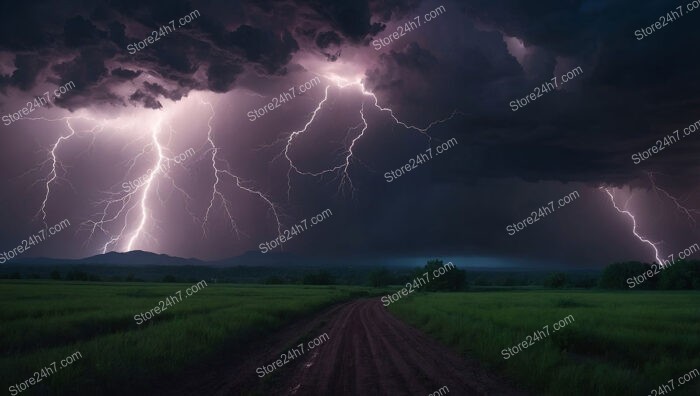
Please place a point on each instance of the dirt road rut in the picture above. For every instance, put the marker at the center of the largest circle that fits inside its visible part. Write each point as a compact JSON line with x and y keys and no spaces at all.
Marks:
{"x":370,"y":352}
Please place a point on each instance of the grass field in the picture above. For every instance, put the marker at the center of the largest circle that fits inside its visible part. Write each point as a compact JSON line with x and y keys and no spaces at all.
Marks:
{"x":618,"y":344}
{"x":46,"y":321}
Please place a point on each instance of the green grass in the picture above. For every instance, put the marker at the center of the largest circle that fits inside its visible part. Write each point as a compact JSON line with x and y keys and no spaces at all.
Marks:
{"x":44,"y":321}
{"x":620,"y":343}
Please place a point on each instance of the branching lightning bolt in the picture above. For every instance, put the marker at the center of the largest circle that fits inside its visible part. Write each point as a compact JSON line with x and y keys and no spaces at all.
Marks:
{"x":219,"y":173}
{"x":686,"y":211}
{"x":634,"y":225}
{"x":130,"y":210}
{"x":342,"y":170}
{"x":148,"y":185}
{"x":53,"y":160}
{"x":53,"y":175}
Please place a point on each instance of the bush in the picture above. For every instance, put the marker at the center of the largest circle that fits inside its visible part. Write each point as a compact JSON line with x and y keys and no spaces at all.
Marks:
{"x":169,"y":279}
{"x":556,"y":280}
{"x":320,"y":278}
{"x":77,"y":275}
{"x":274,"y":280}
{"x":379,"y":278}
{"x":615,"y":276}
{"x":452,"y":280}
{"x":684,"y":275}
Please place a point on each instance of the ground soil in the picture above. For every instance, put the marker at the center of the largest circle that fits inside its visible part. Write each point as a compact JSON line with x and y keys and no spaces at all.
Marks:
{"x":369,"y":352}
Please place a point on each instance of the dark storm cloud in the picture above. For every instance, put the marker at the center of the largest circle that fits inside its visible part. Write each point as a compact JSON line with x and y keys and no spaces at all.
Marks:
{"x":28,"y":68}
{"x":264,"y":47}
{"x":97,"y":35}
{"x":148,"y":101}
{"x":325,"y":39}
{"x":631,"y":93}
{"x":85,"y":70}
{"x":79,"y":32}
{"x":221,"y":76}
{"x":393,"y":9}
{"x":23,"y":25}
{"x":126,"y":73}
{"x":330,"y":43}
{"x":351,"y":17}
{"x":78,"y":42}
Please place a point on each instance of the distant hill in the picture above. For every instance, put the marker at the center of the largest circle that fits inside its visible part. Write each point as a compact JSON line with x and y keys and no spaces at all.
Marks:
{"x":133,"y":258}
{"x":142,"y":258}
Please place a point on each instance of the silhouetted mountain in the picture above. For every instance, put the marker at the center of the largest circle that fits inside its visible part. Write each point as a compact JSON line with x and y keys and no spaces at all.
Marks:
{"x":248,"y":259}
{"x":133,"y":258}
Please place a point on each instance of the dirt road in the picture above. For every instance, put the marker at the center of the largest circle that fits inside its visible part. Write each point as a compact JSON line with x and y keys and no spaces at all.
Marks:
{"x":368,"y":352}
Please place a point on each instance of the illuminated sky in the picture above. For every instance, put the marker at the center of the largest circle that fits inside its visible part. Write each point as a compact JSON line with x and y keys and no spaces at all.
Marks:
{"x":367,"y":113}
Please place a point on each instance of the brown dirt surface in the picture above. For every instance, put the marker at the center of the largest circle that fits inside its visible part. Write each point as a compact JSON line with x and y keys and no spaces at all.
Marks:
{"x":368,"y":352}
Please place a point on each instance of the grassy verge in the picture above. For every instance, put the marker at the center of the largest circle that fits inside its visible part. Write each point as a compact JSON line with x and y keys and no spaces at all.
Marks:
{"x":44,"y":322}
{"x":619,"y":343}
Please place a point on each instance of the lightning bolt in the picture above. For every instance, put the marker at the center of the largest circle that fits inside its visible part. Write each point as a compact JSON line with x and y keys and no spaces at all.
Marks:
{"x":125,"y":216}
{"x":53,"y":161}
{"x":688,"y":212}
{"x":148,"y":184}
{"x":118,"y":206}
{"x":220,"y":173}
{"x":634,"y":226}
{"x":342,"y":169}
{"x":53,"y":174}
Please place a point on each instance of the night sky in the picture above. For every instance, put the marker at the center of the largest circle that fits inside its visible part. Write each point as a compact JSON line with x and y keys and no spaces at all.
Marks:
{"x":366,"y":112}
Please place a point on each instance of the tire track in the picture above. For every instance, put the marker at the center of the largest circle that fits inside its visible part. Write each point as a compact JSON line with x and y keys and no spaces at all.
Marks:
{"x":372,"y":352}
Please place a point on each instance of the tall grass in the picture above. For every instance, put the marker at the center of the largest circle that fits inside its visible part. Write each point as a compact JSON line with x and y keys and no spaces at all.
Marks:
{"x":619,"y":344}
{"x":44,"y":322}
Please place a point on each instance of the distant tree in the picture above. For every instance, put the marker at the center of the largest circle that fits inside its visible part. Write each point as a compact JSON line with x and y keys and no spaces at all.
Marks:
{"x":481,"y":281}
{"x":556,"y":280}
{"x":130,"y":277}
{"x":380,"y":277}
{"x":586,"y":283}
{"x":34,"y":276}
{"x":442,"y":277}
{"x":169,"y":279}
{"x":55,"y":275}
{"x":274,"y":280}
{"x":320,"y":278}
{"x":683,"y":275}
{"x":14,"y":275}
{"x":77,"y":275}
{"x":615,"y":276}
